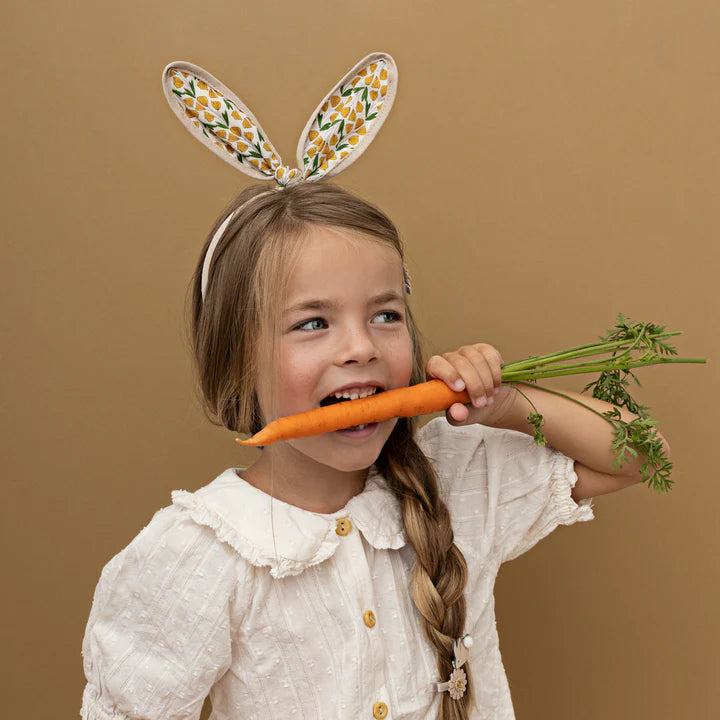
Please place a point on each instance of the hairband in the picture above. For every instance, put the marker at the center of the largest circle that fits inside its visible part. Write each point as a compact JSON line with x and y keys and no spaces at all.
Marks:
{"x":457,"y":683}
{"x":339,"y":130}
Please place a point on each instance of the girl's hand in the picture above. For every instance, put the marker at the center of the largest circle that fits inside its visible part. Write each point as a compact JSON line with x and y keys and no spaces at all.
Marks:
{"x":475,"y":368}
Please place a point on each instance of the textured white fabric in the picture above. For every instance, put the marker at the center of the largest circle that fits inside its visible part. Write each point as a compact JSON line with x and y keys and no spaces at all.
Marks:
{"x":204,"y":601}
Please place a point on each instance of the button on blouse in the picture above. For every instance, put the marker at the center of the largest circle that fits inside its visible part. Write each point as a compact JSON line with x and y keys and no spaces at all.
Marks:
{"x":369,"y":618}
{"x":343,"y":526}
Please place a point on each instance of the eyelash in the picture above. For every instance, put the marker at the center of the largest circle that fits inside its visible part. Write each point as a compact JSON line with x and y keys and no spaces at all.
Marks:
{"x":396,"y":318}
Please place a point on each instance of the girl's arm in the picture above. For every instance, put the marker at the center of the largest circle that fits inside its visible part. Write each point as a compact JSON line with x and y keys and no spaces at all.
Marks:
{"x":575,"y":431}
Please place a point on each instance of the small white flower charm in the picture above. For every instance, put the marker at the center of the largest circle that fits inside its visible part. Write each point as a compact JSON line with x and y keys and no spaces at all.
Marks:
{"x":457,"y":684}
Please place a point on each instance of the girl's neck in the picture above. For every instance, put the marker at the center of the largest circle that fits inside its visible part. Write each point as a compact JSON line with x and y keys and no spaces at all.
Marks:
{"x":298,"y":480}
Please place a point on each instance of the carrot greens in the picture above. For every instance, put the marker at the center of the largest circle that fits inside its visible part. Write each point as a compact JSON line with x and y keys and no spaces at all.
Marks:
{"x":628,"y":345}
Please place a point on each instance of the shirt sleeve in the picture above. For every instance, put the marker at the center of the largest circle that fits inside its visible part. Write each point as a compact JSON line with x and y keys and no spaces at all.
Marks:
{"x":504,"y":492}
{"x":159,"y":632}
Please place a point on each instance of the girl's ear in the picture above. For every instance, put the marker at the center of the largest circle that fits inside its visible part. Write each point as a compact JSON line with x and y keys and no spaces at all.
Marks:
{"x":348,"y":118}
{"x":221,"y":121}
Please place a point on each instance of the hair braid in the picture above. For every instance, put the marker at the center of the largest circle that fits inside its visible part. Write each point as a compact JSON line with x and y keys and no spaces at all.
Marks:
{"x":440,"y":572}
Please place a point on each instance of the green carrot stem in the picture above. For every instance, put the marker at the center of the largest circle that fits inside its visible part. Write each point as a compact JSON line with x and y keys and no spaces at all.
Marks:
{"x":559,"y":394}
{"x":619,"y":362}
{"x":530,"y":374}
{"x":576,"y":352}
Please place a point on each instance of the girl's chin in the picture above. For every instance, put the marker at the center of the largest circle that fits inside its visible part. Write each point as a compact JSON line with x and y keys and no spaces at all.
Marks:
{"x":344,"y":455}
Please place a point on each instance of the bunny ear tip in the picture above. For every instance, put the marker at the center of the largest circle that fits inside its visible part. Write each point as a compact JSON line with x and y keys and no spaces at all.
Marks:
{"x":174,"y":65}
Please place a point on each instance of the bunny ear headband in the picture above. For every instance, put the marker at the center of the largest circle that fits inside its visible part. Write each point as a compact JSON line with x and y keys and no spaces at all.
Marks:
{"x":337,"y":133}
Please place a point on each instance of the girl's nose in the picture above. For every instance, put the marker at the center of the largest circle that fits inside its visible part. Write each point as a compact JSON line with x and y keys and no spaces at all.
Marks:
{"x":357,"y":346}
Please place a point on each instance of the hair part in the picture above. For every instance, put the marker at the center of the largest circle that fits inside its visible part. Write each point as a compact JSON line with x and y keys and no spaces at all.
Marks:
{"x":248,"y":273}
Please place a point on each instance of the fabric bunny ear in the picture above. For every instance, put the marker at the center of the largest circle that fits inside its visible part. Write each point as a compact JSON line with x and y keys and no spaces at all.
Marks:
{"x":347,"y":119}
{"x":337,"y":133}
{"x":222,"y":122}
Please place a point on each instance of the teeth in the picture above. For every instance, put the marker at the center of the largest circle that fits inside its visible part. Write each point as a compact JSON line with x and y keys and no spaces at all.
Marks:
{"x":355,"y":394}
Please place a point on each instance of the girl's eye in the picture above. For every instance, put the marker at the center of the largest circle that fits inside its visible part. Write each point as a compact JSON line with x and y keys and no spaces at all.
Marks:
{"x":313,"y":323}
{"x":390,"y":315}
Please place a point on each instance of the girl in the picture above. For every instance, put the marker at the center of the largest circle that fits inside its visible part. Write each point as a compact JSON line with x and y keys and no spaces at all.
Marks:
{"x":350,"y":574}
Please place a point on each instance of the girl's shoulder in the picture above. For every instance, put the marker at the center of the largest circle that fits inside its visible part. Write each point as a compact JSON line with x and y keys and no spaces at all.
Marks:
{"x":454,"y":449}
{"x":166,"y":546}
{"x":503,"y":491}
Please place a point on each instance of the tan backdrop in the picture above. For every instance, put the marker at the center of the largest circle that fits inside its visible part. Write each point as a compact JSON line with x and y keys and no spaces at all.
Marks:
{"x":578,"y":177}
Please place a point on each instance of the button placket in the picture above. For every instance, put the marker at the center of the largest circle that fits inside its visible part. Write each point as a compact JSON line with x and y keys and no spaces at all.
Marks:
{"x":354,"y":555}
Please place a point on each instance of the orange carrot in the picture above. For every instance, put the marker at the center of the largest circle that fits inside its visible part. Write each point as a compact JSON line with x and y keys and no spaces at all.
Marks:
{"x":421,"y":399}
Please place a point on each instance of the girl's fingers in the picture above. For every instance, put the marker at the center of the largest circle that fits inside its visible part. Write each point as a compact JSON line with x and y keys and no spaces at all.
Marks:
{"x":454,"y":367}
{"x":457,"y":412}
{"x":493,"y":360}
{"x":438,"y":366}
{"x":483,"y":390}
{"x":475,"y":368}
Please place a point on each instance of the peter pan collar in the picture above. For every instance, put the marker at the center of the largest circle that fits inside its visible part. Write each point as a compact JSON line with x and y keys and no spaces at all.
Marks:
{"x":241,"y":516}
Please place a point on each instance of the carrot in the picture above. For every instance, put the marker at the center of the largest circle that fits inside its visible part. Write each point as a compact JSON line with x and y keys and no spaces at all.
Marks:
{"x":421,"y":399}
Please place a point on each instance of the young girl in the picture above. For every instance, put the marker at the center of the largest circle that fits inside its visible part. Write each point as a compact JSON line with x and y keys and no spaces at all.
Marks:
{"x":349,"y":574}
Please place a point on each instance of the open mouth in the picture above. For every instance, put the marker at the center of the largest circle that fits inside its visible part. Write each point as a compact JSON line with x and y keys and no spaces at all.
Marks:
{"x":335,"y":398}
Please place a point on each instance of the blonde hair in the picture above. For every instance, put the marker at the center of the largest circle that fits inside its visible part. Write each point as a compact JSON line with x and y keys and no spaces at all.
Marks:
{"x":248,"y":272}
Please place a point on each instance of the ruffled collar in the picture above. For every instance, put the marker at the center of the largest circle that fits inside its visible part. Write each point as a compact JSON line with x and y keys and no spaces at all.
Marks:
{"x":244,"y":517}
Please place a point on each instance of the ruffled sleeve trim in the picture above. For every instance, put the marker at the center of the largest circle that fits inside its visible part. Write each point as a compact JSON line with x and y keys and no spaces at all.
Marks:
{"x":92,"y":708}
{"x":561,"y":509}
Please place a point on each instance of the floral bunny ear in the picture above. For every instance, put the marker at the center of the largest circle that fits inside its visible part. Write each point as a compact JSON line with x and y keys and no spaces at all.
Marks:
{"x":221,"y":121}
{"x":348,"y":118}
{"x":338,"y":132}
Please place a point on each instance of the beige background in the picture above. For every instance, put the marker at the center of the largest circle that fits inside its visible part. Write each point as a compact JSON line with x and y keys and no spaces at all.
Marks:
{"x":548,"y":164}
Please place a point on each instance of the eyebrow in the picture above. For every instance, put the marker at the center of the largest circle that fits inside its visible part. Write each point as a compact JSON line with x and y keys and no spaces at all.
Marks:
{"x":324,"y":304}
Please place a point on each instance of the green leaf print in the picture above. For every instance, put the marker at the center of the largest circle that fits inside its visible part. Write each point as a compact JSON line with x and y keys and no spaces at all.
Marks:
{"x":371,"y":117}
{"x":326,"y":126}
{"x":192,"y":89}
{"x":319,"y":119}
{"x":341,"y":147}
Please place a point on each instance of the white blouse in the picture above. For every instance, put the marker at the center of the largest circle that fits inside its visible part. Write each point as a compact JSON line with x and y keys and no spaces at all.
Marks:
{"x":315,"y":620}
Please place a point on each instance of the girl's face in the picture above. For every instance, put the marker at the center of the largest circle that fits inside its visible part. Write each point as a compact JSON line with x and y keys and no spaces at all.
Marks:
{"x":343,"y":327}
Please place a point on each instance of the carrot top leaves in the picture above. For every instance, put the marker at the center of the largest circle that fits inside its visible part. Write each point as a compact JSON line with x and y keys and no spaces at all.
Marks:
{"x":626,"y":346}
